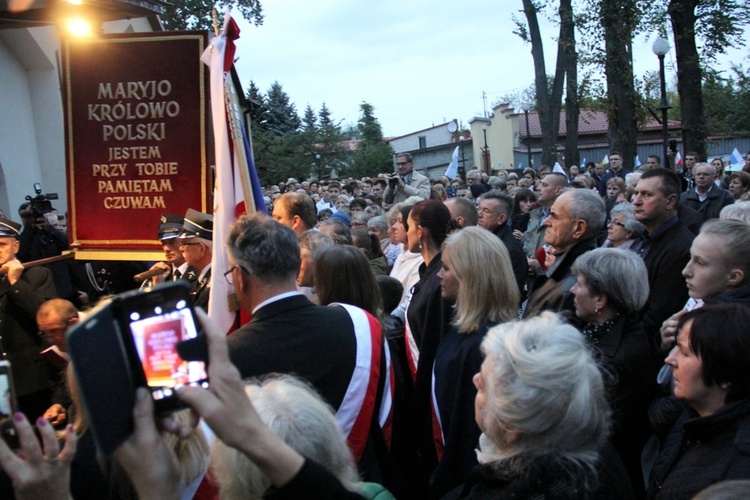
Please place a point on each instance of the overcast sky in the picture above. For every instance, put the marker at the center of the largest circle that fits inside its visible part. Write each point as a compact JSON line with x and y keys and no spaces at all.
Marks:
{"x":418,"y":62}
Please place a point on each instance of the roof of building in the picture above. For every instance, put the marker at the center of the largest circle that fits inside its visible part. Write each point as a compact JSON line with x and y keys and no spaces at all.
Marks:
{"x":589,"y":123}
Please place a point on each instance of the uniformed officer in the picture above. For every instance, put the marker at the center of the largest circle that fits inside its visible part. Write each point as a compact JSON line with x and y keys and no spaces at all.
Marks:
{"x":22,"y":291}
{"x":196,"y":245}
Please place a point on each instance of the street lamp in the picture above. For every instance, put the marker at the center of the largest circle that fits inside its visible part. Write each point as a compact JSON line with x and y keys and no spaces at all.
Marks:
{"x":485,"y":152}
{"x":462,"y":159}
{"x":660,"y":48}
{"x":526,"y":107}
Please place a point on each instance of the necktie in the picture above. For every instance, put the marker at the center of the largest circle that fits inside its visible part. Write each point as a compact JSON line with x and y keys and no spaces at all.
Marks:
{"x":177,"y":275}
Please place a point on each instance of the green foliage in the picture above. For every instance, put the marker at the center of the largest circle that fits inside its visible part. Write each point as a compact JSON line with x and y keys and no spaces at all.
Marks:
{"x":726,"y":102}
{"x":196,"y":14}
{"x":280,"y":114}
{"x":373,"y":155}
{"x":285,"y":146}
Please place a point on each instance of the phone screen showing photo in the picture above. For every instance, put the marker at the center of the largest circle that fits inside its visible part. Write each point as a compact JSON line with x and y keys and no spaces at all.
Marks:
{"x":155,"y":338}
{"x":6,"y":395}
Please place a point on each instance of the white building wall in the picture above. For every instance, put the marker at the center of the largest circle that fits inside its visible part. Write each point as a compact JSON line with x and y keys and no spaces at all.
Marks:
{"x":32,"y":133}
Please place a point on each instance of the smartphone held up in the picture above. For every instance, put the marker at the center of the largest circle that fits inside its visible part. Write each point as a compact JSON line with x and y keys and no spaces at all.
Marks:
{"x":148,"y":338}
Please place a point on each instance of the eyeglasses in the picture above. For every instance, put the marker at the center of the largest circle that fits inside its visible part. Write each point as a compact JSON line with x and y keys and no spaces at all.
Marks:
{"x":402,"y":163}
{"x":228,"y":274}
{"x":615,"y":223}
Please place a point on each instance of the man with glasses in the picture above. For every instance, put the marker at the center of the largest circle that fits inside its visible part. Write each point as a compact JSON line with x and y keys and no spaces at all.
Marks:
{"x":196,"y":245}
{"x":406,"y":182}
{"x":339,"y":349}
{"x":706,"y":197}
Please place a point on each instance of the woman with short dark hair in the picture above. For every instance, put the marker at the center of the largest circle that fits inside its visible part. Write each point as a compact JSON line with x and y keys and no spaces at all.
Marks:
{"x":707,"y":443}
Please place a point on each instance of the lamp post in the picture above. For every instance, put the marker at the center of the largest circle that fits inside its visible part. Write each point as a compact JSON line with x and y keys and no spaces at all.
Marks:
{"x":462,"y":160}
{"x":660,"y":48}
{"x":485,"y":152}
{"x":526,"y":106}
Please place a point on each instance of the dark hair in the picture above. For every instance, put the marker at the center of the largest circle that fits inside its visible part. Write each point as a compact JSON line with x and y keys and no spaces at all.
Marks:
{"x":343,"y":274}
{"x":381,"y":183}
{"x":522,"y":194}
{"x":435,"y":217}
{"x":368,"y":242}
{"x":694,"y":155}
{"x":719,"y":336}
{"x":358,"y":202}
{"x":391,"y":291}
{"x":405,"y":211}
{"x":670,"y":182}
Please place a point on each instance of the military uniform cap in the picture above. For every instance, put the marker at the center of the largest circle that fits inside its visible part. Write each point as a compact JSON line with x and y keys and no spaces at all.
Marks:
{"x":198,"y":225}
{"x":170,"y":226}
{"x":9,"y":228}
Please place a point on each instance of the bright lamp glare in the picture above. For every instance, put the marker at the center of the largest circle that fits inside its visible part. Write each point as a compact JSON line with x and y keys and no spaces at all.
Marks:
{"x":76,"y":2}
{"x":79,"y":27}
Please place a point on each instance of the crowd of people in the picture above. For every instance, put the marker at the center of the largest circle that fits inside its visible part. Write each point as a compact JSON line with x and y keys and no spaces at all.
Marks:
{"x":574,"y":333}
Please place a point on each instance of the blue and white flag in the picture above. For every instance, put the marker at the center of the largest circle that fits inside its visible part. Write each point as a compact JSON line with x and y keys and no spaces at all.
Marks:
{"x":452,"y":171}
{"x":637,"y":161}
{"x":736,"y":158}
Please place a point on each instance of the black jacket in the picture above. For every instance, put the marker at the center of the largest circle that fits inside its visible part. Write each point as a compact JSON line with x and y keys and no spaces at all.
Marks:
{"x":665,"y":260}
{"x":517,"y":255}
{"x":19,"y":336}
{"x":701,"y":451}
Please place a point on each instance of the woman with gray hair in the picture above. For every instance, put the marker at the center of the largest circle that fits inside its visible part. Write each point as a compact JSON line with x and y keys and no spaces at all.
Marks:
{"x":543,"y":413}
{"x":623,"y":229}
{"x":300,"y":417}
{"x":611,"y":288}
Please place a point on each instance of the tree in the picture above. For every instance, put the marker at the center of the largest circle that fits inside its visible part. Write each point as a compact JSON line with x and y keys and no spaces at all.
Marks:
{"x":309,"y":121}
{"x":549,"y":97}
{"x":618,"y":19}
{"x":197,"y":14}
{"x":373,"y":155}
{"x":280,"y":115}
{"x":332,"y":153}
{"x":257,"y":102}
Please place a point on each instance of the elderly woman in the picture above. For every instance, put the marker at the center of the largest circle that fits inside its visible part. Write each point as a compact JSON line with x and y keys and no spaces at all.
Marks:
{"x":543,"y":413}
{"x":611,"y":288}
{"x":299,"y":416}
{"x":482,"y":296}
{"x":623,"y":230}
{"x":739,"y":184}
{"x":706,"y":443}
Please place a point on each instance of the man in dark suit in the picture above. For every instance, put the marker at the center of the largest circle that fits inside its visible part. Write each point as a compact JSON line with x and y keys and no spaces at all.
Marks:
{"x":22,"y":291}
{"x":339,"y":349}
{"x":494,"y":210}
{"x":196,"y":245}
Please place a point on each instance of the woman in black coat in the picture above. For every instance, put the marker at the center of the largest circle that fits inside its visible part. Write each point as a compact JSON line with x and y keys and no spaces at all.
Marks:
{"x":611,"y":288}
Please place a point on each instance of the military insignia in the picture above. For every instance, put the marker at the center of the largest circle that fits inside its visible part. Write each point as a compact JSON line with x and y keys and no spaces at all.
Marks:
{"x":163,"y":219}
{"x":191,"y":275}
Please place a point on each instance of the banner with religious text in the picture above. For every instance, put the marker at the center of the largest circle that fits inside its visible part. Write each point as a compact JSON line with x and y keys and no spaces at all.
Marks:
{"x":135,"y":113}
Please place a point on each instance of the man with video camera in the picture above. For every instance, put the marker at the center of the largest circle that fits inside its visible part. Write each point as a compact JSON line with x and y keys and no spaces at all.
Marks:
{"x":40,"y":240}
{"x":406,"y":182}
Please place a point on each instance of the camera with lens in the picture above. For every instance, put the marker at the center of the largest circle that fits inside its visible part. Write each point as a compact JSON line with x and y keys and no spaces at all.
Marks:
{"x":393,"y":180}
{"x":39,"y":204}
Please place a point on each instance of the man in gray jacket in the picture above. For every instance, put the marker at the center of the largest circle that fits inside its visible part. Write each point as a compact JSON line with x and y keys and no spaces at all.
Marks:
{"x":406,"y":182}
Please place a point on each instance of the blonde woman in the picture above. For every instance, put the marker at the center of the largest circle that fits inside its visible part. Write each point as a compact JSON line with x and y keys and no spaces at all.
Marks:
{"x":477,"y":278}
